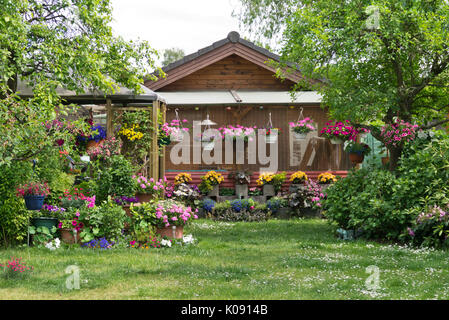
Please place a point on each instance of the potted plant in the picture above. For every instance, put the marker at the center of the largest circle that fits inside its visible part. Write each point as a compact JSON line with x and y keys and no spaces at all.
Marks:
{"x":34,"y":194}
{"x":242,"y":180}
{"x":338,"y":132}
{"x":238,"y":132}
{"x":325,"y":179}
{"x":210,"y":183}
{"x":148,"y":189}
{"x":170,"y":217}
{"x":265,"y":181}
{"x":297,"y":180}
{"x":48,"y":216}
{"x":183,"y":177}
{"x":173,"y":131}
{"x":357,"y":151}
{"x":302,"y":127}
{"x":272,"y":135}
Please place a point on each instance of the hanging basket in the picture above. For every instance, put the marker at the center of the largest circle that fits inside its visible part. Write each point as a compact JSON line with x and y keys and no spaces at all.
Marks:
{"x":336,"y":141}
{"x":299,"y":136}
{"x":34,"y":202}
{"x":209,"y":145}
{"x":177,"y":137}
{"x":271,"y":139}
{"x":356,"y":157}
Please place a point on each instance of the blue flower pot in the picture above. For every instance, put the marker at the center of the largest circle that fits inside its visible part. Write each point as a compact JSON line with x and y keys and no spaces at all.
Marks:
{"x":34,"y":202}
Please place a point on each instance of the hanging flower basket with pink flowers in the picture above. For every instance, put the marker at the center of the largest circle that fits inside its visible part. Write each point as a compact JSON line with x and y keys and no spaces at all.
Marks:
{"x":338,"y":132}
{"x":397,"y":133}
{"x":302,"y":127}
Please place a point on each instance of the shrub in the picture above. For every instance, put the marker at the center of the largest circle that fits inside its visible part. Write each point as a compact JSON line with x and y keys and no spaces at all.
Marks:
{"x":430,"y":228}
{"x":116,"y":180}
{"x":365,"y":200}
{"x":275,"y":203}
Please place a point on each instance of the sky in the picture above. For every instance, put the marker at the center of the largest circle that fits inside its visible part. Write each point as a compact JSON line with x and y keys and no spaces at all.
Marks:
{"x":189,"y":25}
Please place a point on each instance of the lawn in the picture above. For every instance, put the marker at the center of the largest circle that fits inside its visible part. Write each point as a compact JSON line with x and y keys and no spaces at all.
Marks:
{"x":278,"y":259}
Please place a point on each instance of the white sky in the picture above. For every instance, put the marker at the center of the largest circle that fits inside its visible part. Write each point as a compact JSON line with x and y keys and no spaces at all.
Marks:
{"x":186,"y":24}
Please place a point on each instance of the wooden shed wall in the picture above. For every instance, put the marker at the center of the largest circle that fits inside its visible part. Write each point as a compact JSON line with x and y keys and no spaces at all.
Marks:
{"x":311,"y":154}
{"x":232,"y":72}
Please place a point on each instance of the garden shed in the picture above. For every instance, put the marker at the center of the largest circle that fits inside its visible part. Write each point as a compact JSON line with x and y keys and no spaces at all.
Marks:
{"x":232,"y":82}
{"x":108,"y":107}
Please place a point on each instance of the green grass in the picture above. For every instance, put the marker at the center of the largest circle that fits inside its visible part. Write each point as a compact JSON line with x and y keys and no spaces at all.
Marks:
{"x":279,"y":259}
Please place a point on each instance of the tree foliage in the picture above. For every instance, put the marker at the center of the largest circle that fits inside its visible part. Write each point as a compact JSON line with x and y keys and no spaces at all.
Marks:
{"x":172,"y":55}
{"x":380,"y":59}
{"x":51,"y":44}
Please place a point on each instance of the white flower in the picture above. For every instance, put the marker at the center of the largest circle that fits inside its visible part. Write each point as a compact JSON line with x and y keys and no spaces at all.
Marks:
{"x":54,"y":244}
{"x":166,"y":243}
{"x":188,"y":239}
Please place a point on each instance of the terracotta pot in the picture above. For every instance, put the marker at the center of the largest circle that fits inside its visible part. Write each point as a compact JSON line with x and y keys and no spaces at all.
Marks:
{"x":168,"y":232}
{"x":356,"y":158}
{"x":143,"y":197}
{"x":93,"y":144}
{"x":67,"y":236}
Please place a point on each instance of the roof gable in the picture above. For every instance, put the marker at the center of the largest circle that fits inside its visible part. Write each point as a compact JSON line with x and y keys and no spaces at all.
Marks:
{"x":233,"y":45}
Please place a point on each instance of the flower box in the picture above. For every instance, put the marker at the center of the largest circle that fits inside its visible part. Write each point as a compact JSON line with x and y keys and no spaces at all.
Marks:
{"x":241,"y":190}
{"x":268,"y":190}
{"x":215,"y":191}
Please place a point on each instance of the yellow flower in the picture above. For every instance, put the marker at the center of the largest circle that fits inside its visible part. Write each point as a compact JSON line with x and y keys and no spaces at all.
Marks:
{"x":298,"y":177}
{"x":326,"y":177}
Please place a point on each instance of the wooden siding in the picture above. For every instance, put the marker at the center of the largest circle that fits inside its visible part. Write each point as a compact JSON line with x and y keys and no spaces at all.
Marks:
{"x":232,"y":72}
{"x":312,"y":154}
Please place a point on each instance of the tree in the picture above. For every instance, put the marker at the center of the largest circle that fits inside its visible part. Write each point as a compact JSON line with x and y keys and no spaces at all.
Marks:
{"x":172,"y":55}
{"x":381,"y":59}
{"x":58,"y":43}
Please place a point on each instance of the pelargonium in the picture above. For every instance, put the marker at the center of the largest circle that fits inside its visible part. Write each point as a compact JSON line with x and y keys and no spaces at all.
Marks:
{"x":305,"y":125}
{"x":173,"y":128}
{"x":15,"y":266}
{"x":107,"y":148}
{"x":399,"y":132}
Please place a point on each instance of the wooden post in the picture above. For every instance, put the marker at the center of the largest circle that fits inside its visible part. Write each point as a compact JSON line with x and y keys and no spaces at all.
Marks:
{"x":154,"y":146}
{"x":109,"y":120}
{"x":162,"y":157}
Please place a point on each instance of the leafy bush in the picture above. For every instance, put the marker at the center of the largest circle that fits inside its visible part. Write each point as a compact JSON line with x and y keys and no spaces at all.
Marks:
{"x":116,"y":180}
{"x":106,"y":220}
{"x":275,"y":203}
{"x":13,"y":214}
{"x":383,"y":205}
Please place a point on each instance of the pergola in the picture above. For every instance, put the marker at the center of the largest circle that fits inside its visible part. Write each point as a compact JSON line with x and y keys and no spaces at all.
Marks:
{"x":123,"y":99}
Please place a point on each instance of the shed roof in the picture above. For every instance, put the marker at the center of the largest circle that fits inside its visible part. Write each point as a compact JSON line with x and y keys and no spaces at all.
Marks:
{"x":240,"y":97}
{"x":121,"y":96}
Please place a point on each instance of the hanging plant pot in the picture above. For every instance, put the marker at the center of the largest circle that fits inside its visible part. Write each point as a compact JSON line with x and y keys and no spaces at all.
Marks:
{"x":34,"y":202}
{"x":356,"y":157}
{"x":171,"y":232}
{"x":271,"y":139}
{"x":385,"y":160}
{"x":177,"y":137}
{"x":208,"y":146}
{"x":299,"y":136}
{"x":336,"y":141}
